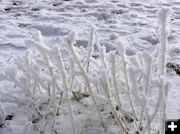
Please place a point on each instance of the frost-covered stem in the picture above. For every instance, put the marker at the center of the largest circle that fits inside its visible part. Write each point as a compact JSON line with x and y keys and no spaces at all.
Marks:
{"x":27,"y":92}
{"x":160,"y":96}
{"x":71,"y":81}
{"x":120,"y":122}
{"x":53,"y":125}
{"x":148,"y":69}
{"x":160,"y":102}
{"x":121,"y":50}
{"x":115,"y":84}
{"x":165,"y":93}
{"x":54,"y":84}
{"x":164,"y":18}
{"x":102,"y":55}
{"x":90,"y":47}
{"x":28,"y":62}
{"x":44,"y":50}
{"x":60,"y":100}
{"x":50,"y":68}
{"x":141,"y":118}
{"x":136,"y":94}
{"x":70,"y":44}
{"x":148,"y":122}
{"x":163,"y":116}
{"x":33,"y":103}
{"x":104,"y":62}
{"x":129,"y":90}
{"x":147,"y":82}
{"x":66,"y":89}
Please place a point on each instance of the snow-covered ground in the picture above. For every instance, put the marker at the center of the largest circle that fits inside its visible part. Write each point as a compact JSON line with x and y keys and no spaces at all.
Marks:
{"x":136,"y":21}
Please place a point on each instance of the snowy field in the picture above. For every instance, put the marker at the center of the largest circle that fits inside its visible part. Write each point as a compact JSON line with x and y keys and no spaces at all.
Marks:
{"x":133,"y":20}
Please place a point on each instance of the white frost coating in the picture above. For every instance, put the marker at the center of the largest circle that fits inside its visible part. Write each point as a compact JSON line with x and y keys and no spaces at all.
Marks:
{"x":43,"y":78}
{"x":90,"y":47}
{"x":148,"y":68}
{"x":76,"y":59}
{"x":39,"y":43}
{"x":72,"y":37}
{"x":121,"y":50}
{"x":164,"y":17}
{"x":113,"y":64}
{"x":121,"y":46}
{"x":134,"y":85}
{"x":66,"y":89}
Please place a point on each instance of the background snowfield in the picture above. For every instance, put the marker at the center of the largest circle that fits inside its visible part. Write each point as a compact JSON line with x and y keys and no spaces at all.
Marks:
{"x":133,"y":20}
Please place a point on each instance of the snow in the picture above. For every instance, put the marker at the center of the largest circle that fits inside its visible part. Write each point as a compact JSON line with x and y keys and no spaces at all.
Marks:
{"x":136,"y":21}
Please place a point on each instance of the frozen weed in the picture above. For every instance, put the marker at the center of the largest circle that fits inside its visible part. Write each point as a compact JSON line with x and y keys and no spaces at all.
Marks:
{"x":133,"y":90}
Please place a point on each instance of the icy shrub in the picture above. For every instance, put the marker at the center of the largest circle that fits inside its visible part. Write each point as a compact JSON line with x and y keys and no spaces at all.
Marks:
{"x":128,"y":94}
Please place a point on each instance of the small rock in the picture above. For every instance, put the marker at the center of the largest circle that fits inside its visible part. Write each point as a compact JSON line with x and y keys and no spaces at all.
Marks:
{"x":7,"y":9}
{"x":2,"y":125}
{"x":9,"y":117}
{"x":36,"y":120}
{"x":15,"y":4}
{"x":35,"y":9}
{"x":57,"y":4}
{"x":117,"y":108}
{"x":174,"y":66}
{"x":21,"y":25}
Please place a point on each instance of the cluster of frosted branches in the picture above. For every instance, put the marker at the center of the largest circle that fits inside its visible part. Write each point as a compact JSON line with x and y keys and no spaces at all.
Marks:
{"x":133,"y":89}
